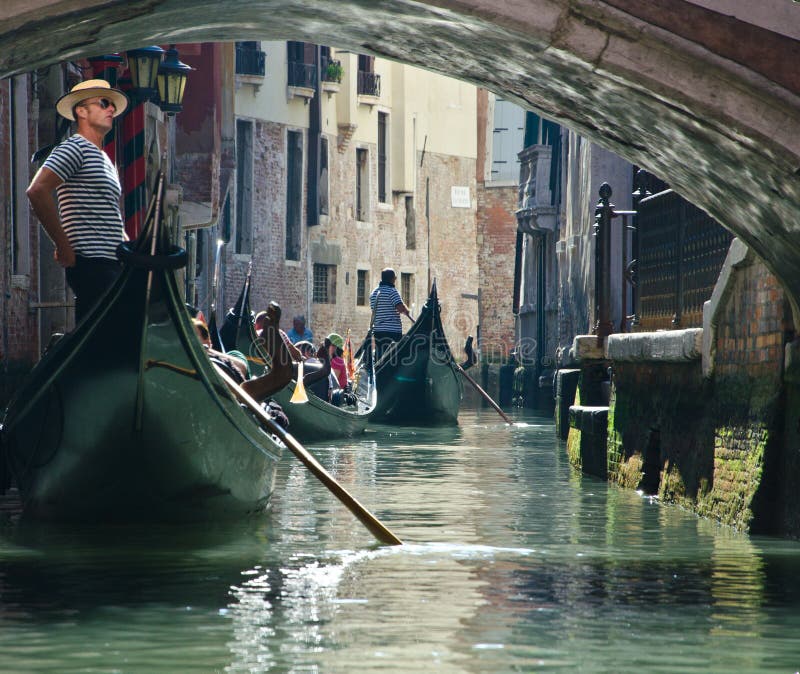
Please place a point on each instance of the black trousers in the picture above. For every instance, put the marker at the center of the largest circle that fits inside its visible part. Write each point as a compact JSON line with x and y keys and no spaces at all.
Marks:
{"x":383,"y":340}
{"x":89,"y":279}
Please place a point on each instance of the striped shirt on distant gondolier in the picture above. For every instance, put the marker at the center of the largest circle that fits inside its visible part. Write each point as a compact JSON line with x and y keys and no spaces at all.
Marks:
{"x":386,"y":317}
{"x":386,"y":305}
{"x":88,"y":199}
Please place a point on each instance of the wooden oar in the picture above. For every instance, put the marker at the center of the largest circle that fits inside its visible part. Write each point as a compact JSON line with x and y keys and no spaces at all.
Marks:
{"x":365,"y":516}
{"x":299,"y":396}
{"x":483,"y":393}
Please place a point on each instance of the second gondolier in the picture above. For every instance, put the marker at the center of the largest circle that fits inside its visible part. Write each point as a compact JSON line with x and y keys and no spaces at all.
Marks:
{"x":387,"y":306}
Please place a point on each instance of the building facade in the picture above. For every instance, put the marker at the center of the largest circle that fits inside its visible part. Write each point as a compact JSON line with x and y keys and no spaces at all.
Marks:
{"x":673,"y":345}
{"x":347,"y":164}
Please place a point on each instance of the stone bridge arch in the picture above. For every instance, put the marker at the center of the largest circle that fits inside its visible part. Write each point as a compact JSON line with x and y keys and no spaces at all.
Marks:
{"x":708,"y":100}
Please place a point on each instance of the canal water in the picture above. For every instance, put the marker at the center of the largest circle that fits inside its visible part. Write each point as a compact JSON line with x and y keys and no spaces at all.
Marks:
{"x":512,"y":562}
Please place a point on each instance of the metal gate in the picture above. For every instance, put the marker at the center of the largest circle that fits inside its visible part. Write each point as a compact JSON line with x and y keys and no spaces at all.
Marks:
{"x":681,"y":252}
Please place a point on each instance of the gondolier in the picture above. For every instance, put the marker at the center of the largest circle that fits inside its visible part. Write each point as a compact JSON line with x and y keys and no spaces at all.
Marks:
{"x":418,"y":380}
{"x":85,"y":223}
{"x":387,"y":305}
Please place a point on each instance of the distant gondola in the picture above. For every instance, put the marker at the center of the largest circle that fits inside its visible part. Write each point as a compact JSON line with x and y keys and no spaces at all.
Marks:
{"x":126,"y":417}
{"x":238,"y":332}
{"x":316,"y":419}
{"x":417,"y":378}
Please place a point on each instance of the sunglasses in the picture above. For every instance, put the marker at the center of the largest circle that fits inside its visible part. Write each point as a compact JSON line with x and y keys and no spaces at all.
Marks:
{"x":104,"y":103}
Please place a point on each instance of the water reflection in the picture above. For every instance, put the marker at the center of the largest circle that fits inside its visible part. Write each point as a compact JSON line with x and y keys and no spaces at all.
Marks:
{"x":513,"y":562}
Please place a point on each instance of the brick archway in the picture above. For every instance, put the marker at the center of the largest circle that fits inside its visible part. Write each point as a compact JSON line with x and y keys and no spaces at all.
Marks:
{"x":708,"y":100}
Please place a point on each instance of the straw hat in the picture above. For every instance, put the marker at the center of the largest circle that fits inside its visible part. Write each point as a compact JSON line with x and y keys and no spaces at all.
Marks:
{"x":91,"y":89}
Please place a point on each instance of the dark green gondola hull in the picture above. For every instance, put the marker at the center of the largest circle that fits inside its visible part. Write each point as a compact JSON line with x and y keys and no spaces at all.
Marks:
{"x":417,"y":379}
{"x":318,"y":420}
{"x":125,"y":418}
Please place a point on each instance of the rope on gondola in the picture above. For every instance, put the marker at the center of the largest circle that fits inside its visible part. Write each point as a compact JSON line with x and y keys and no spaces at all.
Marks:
{"x":176,"y":258}
{"x":173,"y":368}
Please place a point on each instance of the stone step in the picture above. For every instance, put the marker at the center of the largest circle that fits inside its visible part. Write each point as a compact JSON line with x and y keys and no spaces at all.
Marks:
{"x":586,"y":443}
{"x":566,"y":386}
{"x":589,"y":419}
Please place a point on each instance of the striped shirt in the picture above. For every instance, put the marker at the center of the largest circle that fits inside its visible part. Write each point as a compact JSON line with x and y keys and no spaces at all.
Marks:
{"x":88,"y":199}
{"x":386,"y":317}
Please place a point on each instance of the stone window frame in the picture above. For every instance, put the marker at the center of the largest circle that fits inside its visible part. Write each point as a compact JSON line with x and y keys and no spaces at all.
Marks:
{"x":323,"y":289}
{"x":362,"y":287}
{"x":362,"y":185}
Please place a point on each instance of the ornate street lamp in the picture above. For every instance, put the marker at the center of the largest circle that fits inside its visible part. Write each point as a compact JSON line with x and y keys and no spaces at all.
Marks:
{"x":172,"y":82}
{"x":143,"y":65}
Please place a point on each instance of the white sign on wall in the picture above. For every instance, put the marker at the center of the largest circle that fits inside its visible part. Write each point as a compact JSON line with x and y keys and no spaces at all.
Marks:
{"x":459,"y":197}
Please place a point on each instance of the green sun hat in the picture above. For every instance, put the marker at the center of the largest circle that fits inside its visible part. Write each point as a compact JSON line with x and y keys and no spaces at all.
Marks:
{"x":336,"y":339}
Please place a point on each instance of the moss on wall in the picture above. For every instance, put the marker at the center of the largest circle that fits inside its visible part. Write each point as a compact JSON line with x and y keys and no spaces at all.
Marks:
{"x":574,"y":447}
{"x":713,"y":440}
{"x":661,"y":409}
{"x":739,"y":453}
{"x":629,"y":473}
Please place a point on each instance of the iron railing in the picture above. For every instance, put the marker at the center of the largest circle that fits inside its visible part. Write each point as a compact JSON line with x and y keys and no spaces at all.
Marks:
{"x":249,"y":60}
{"x":681,"y":252}
{"x":302,"y":75}
{"x":369,"y":84}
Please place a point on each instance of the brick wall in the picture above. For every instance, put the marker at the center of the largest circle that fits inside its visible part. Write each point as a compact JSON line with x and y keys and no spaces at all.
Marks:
{"x":273,"y":277}
{"x":192,"y":174}
{"x":749,"y":446}
{"x":497,"y":235}
{"x":724,"y":446}
{"x":19,"y":343}
{"x":751,"y":334}
{"x":453,"y":244}
{"x":373,"y":244}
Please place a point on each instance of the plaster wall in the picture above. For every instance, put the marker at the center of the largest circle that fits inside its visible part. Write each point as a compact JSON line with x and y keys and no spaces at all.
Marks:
{"x":271,"y":100}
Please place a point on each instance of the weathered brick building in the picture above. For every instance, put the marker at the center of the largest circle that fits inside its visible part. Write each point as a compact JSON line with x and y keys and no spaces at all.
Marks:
{"x":371,"y":165}
{"x":499,"y":141}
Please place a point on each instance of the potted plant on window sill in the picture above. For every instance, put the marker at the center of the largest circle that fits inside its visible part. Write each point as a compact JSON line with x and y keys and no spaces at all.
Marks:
{"x":332,"y":77}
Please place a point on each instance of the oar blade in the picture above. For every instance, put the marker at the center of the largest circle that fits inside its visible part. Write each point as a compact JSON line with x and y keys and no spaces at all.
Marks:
{"x":299,"y":396}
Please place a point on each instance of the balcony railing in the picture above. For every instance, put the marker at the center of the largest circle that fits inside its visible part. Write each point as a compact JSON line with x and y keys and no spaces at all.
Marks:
{"x":302,"y":75}
{"x":369,"y":84}
{"x":250,"y":61}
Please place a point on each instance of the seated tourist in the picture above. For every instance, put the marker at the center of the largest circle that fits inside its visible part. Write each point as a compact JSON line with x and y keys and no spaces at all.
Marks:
{"x":195,"y":312}
{"x":258,"y":322}
{"x":234,"y":363}
{"x":339,"y":391}
{"x":280,"y":372}
{"x":335,"y":346}
{"x":306,"y":349}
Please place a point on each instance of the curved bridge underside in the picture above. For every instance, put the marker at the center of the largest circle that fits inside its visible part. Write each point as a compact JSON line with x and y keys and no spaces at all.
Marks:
{"x":707,"y":101}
